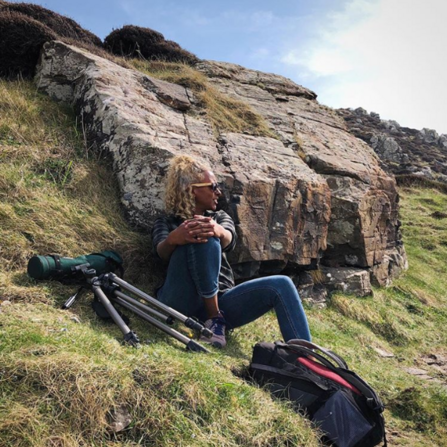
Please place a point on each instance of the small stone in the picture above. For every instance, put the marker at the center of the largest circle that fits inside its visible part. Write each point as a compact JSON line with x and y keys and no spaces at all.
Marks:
{"x":120,"y":419}
{"x":5,"y":303}
{"x":383,"y":353}
{"x":416,"y":371}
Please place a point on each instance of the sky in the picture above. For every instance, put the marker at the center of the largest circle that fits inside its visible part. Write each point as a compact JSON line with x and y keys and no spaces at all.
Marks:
{"x":387,"y":56}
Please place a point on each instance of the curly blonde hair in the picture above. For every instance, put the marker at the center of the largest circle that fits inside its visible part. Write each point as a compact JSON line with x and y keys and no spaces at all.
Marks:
{"x":183,"y":171}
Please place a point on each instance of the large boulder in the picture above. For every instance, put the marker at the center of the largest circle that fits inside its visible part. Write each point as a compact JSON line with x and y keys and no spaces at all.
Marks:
{"x":364,"y":222}
{"x":315,"y":194}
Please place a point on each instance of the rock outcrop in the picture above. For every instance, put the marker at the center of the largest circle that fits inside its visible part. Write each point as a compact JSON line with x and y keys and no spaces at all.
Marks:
{"x":403,"y":151}
{"x":315,"y":195}
{"x":364,"y":226}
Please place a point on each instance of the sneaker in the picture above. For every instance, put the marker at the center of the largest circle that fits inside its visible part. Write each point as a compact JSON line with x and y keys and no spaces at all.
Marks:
{"x":217,"y":326}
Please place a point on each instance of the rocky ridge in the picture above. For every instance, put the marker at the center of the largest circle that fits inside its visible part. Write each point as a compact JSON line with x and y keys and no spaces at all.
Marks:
{"x":313,"y":197}
{"x":402,"y":150}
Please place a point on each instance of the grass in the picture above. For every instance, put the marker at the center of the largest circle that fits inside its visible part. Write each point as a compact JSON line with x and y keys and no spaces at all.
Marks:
{"x":224,"y":113}
{"x":64,"y":374}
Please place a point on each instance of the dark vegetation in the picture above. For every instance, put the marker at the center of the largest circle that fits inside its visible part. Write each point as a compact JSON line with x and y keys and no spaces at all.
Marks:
{"x":24,"y":28}
{"x":137,"y":42}
{"x":61,"y":25}
{"x":22,"y":39}
{"x":417,"y":181}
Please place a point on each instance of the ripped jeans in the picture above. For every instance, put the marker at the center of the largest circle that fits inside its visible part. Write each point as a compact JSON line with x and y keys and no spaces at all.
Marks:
{"x":193,"y":274}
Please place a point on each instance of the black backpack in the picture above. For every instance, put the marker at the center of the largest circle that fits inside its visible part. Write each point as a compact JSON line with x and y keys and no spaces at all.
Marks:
{"x":344,"y":407}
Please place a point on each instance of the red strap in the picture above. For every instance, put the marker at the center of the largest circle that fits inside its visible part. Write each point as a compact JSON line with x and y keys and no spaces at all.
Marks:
{"x":326,"y":372}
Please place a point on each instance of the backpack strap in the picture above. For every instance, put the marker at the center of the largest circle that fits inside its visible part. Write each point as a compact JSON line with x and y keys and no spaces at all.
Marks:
{"x":372,"y":399}
{"x":281,"y":372}
{"x":339,"y":361}
{"x":309,"y":349}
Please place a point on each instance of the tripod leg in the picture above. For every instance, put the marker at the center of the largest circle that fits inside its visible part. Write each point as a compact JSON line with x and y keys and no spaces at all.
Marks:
{"x":165,"y":318}
{"x":129,"y":336}
{"x":73,"y":298}
{"x":190,"y":344}
{"x":187,"y":321}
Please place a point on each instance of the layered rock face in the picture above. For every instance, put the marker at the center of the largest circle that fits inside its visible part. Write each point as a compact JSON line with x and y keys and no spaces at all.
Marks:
{"x":314,"y":196}
{"x":364,"y":227}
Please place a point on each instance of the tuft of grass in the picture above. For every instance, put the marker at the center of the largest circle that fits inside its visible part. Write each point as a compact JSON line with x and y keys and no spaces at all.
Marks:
{"x":224,"y":113}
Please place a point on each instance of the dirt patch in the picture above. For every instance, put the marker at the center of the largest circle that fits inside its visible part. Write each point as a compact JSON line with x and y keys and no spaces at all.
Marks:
{"x":439,"y":215}
{"x":432,"y":368}
{"x":438,"y":362}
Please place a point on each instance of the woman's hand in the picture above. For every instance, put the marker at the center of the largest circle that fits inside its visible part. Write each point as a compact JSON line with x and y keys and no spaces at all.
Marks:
{"x":201,"y":228}
{"x":185,"y":233}
{"x":210,"y":227}
{"x":193,"y":231}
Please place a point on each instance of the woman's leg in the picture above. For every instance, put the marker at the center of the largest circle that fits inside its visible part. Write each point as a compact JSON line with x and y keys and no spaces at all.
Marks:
{"x":192,"y":277}
{"x":252,"y":299}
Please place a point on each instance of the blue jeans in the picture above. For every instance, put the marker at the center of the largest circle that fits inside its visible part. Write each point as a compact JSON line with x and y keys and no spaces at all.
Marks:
{"x":193,"y":274}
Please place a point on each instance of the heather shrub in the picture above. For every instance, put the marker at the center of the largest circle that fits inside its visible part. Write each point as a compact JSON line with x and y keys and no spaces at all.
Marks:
{"x":137,"y":42}
{"x":22,"y":39}
{"x":24,"y":28}
{"x":61,"y":25}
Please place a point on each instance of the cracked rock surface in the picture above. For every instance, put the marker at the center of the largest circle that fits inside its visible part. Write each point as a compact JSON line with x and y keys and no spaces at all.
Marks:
{"x":314,"y":195}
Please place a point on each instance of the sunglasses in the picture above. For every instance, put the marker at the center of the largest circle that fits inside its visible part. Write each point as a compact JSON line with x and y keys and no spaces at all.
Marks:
{"x":213,"y":186}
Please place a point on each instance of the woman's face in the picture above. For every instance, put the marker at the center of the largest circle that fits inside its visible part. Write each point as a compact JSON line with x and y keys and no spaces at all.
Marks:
{"x":206,"y":196}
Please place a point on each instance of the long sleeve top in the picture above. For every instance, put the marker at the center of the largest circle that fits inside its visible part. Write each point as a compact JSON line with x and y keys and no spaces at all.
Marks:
{"x":165,"y":224}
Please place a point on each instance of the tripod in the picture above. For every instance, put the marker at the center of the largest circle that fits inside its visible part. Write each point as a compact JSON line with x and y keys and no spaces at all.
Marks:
{"x":107,"y":288}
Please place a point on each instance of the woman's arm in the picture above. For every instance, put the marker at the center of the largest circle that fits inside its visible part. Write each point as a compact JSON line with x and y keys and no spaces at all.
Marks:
{"x":166,"y":248}
{"x":183,"y":234}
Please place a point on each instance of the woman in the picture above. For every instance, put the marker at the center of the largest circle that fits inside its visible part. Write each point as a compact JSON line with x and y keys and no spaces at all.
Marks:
{"x":193,"y":239}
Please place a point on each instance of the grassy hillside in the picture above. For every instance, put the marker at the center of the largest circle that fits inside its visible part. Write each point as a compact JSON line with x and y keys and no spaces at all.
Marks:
{"x":64,"y":374}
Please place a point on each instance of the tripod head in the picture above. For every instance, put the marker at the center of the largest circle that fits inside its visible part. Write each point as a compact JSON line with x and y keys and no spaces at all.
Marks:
{"x":89,"y":275}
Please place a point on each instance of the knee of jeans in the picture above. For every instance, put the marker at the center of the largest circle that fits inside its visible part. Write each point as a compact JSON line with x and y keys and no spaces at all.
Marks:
{"x":284,"y":283}
{"x":210,"y":248}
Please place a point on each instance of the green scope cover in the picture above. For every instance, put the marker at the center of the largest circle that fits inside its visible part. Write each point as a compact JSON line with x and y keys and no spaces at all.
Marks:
{"x":54,"y":266}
